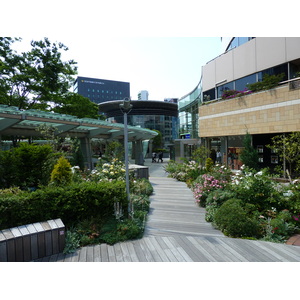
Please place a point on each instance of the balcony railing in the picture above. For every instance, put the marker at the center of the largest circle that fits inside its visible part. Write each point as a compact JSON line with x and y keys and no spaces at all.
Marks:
{"x":294,"y":84}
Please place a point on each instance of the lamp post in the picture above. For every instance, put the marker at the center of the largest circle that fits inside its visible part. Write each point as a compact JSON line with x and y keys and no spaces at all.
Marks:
{"x":126,"y":108}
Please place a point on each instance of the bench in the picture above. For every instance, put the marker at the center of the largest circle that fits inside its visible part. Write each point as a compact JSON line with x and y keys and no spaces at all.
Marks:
{"x":32,"y":241}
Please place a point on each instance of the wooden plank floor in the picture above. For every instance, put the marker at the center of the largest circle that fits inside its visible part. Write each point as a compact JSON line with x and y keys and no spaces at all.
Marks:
{"x":176,"y":231}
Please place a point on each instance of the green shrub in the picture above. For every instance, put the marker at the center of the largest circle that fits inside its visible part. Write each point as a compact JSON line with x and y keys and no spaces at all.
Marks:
{"x":8,"y":169}
{"x":71,"y":203}
{"x":258,"y":189}
{"x":127,"y":230}
{"x":26,"y":166}
{"x":233,"y":220}
{"x":214,"y":200}
{"x":268,"y":82}
{"x":249,"y":155}
{"x":187,"y":171}
{"x":72,"y":241}
{"x":279,"y":228}
{"x":61,"y":173}
{"x":209,"y":163}
{"x":294,"y":200}
{"x":141,"y":187}
{"x":140,"y":202}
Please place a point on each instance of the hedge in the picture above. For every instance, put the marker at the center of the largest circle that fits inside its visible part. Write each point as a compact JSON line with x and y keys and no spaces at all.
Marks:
{"x":70,"y":203}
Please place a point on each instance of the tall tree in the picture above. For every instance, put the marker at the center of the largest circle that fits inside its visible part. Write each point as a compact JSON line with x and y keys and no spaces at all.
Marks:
{"x":157,"y":140}
{"x":288,"y":149}
{"x":77,"y":105}
{"x":249,"y":155}
{"x":40,"y":79}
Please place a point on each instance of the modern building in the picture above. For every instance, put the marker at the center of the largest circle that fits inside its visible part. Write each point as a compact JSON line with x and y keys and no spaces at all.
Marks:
{"x":207,"y":118}
{"x":149,"y":114}
{"x":100,"y":90}
{"x":171,"y":100}
{"x":143,"y":95}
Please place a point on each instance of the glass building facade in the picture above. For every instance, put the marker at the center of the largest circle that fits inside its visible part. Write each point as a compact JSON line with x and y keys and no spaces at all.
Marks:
{"x":150,"y":114}
{"x":188,"y":113}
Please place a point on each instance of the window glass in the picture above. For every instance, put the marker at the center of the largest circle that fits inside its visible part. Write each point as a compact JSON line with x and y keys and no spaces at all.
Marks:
{"x":242,"y":40}
{"x":241,"y":83}
{"x":276,"y":70}
{"x":234,"y":43}
{"x":209,"y":95}
{"x":225,"y":87}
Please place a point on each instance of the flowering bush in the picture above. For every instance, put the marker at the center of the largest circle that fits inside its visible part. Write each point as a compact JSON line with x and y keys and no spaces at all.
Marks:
{"x":207,"y":183}
{"x":258,"y":207}
{"x":186,"y":172}
{"x":258,"y":189}
{"x":233,"y":93}
{"x":115,"y":170}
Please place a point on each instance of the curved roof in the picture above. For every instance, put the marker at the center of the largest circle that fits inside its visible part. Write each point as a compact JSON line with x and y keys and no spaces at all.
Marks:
{"x":26,"y":122}
{"x":140,"y":107}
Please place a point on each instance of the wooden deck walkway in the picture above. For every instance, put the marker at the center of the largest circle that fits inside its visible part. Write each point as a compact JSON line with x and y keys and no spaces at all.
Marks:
{"x":177,"y":232}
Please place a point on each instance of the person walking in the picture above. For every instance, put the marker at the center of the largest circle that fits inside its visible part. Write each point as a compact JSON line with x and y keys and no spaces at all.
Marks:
{"x":219,"y":157}
{"x":153,"y":157}
{"x":160,"y":156}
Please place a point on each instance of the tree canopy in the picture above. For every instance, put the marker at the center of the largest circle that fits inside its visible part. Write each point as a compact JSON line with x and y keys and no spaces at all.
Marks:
{"x":287,"y":148}
{"x":40,"y":79}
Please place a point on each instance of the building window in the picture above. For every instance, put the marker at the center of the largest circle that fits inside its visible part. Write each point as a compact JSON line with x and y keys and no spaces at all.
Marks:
{"x":241,"y":83}
{"x":223,"y":88}
{"x":209,"y":95}
{"x":260,"y":149}
{"x":275,"y":71}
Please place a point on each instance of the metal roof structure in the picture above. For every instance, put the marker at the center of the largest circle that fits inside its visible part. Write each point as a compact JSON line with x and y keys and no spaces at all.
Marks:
{"x":26,"y":122}
{"x":140,"y":107}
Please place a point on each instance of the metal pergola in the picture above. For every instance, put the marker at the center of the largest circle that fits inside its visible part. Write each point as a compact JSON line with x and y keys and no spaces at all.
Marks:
{"x":15,"y":122}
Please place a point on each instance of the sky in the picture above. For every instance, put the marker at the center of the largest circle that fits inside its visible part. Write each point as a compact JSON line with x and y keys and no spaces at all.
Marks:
{"x":167,"y":67}
{"x":158,"y":46}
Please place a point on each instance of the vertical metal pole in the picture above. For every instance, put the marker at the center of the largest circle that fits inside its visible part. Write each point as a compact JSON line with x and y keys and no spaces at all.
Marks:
{"x":284,"y":161}
{"x":126,"y":161}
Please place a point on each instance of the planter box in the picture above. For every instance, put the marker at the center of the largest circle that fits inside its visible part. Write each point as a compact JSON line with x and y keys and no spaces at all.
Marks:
{"x":32,"y":241}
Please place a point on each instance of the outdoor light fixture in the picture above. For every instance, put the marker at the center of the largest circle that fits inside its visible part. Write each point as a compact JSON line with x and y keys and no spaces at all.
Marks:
{"x":126,"y":105}
{"x":126,"y":108}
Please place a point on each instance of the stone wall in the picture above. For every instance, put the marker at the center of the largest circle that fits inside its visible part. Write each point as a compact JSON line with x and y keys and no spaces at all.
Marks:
{"x":272,"y":111}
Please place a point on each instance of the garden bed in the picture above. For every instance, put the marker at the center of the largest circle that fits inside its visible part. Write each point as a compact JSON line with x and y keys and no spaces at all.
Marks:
{"x":243,"y":204}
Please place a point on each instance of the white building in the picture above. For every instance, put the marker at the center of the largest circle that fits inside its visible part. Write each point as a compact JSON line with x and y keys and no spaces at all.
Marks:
{"x":143,"y":95}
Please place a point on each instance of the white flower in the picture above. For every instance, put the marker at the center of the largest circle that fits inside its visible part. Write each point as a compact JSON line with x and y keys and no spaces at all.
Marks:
{"x":288,"y":193}
{"x":258,"y":173}
{"x":73,"y":169}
